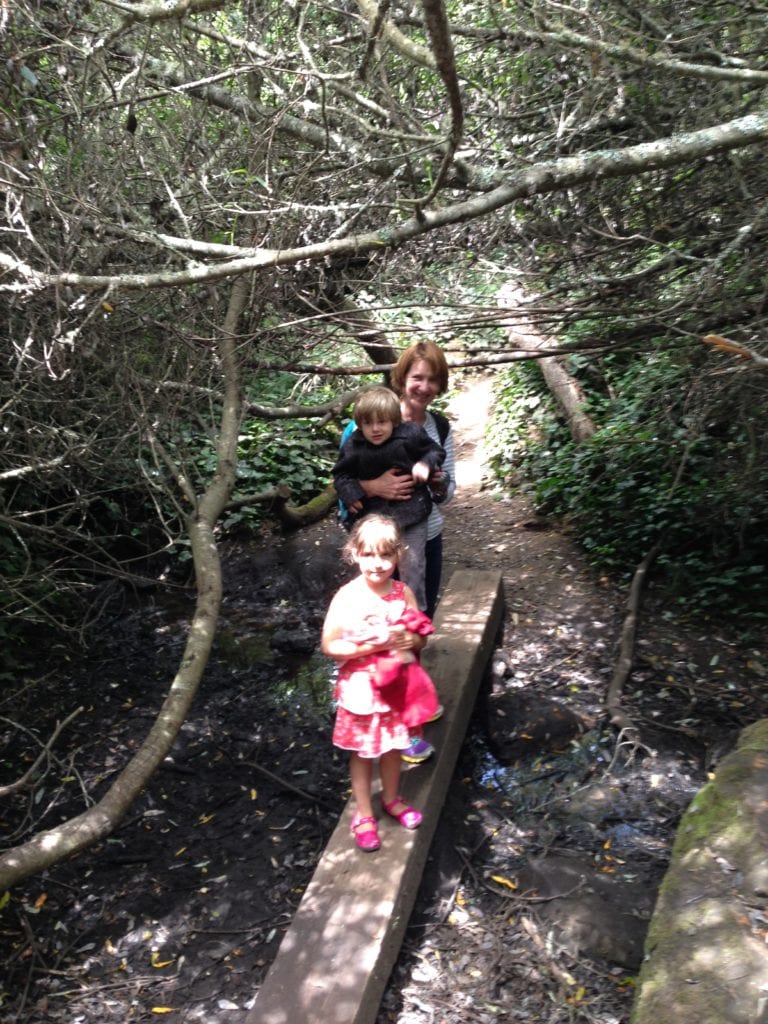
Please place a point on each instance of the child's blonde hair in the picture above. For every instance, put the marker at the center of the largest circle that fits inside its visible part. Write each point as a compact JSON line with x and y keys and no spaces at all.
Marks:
{"x":379,"y":404}
{"x":376,"y":533}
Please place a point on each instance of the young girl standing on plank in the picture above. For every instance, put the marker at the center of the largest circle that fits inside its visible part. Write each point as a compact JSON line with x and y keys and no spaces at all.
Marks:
{"x":362,"y":626}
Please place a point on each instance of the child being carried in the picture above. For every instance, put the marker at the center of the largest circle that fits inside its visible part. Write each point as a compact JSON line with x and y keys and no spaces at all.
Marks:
{"x":383,"y":441}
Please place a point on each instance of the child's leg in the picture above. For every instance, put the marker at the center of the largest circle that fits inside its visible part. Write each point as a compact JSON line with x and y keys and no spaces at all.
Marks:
{"x":361,"y":775}
{"x":389,"y":769}
{"x":364,"y":827}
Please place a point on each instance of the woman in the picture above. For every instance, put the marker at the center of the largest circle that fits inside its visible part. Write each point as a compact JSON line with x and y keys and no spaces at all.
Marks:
{"x":420,"y":375}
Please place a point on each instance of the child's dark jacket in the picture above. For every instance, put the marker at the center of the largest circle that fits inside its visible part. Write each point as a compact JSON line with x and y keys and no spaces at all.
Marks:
{"x":360,"y":460}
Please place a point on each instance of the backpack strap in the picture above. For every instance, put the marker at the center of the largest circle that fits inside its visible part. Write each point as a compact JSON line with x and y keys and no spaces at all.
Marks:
{"x":348,"y":431}
{"x":443,"y":426}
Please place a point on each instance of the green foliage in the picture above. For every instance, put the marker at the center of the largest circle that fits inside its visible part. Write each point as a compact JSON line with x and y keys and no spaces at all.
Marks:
{"x":283,"y":451}
{"x":523,"y":415}
{"x":673,"y":462}
{"x":292,"y":452}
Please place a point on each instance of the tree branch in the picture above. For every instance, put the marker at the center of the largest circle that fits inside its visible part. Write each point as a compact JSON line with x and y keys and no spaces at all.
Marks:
{"x":540,"y":179}
{"x":24,"y":782}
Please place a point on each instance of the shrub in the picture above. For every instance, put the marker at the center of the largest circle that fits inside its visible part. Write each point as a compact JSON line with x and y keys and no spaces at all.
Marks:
{"x":675,"y":459}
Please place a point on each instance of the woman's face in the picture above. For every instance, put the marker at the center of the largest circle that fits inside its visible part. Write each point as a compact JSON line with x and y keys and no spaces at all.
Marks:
{"x":421,"y":385}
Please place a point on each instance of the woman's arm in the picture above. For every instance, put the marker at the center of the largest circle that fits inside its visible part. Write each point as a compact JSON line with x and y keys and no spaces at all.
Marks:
{"x":393,"y":485}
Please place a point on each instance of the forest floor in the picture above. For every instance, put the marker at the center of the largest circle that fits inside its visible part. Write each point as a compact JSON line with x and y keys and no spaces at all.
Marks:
{"x":553,"y":839}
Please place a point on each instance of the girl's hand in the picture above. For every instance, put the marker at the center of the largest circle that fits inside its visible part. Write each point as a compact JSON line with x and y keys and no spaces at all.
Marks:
{"x":398,"y":638}
{"x":401,"y":639}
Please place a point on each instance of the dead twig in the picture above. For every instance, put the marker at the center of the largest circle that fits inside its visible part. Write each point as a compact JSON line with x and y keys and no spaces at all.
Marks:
{"x":633,"y":743}
{"x":623,"y":666}
{"x":294,"y":789}
{"x":26,"y":780}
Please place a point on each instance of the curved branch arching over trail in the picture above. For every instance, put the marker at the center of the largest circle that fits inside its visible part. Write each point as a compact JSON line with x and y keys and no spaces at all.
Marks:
{"x":540,"y":179}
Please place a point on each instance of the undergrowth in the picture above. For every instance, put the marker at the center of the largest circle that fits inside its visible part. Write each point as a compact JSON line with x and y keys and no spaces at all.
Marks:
{"x":676,"y":460}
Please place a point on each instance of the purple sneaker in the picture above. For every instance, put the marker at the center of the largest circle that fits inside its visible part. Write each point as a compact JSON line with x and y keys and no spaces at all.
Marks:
{"x":417,"y":751}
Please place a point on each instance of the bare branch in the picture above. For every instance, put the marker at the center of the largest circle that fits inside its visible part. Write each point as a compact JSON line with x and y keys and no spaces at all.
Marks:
{"x":26,"y":780}
{"x":733,"y":348}
{"x":544,"y":178}
{"x":406,"y":47}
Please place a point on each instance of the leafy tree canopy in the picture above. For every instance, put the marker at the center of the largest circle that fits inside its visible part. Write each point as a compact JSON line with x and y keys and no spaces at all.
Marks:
{"x":376,"y":170}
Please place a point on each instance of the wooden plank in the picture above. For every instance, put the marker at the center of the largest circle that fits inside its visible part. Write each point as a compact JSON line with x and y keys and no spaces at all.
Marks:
{"x":334,"y":961}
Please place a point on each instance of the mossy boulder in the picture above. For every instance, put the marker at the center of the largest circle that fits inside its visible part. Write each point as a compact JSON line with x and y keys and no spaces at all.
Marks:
{"x":706,"y":956}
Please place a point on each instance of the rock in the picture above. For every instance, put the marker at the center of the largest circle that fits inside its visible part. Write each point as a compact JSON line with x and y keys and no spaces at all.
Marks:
{"x":593,"y":914}
{"x":706,"y":950}
{"x":522,"y":725}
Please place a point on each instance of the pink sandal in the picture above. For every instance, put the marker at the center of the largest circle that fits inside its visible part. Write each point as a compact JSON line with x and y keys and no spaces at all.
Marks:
{"x":409,"y":818}
{"x":367,"y":841}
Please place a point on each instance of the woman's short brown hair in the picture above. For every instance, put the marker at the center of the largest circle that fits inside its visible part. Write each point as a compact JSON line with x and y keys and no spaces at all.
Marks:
{"x":431,"y":354}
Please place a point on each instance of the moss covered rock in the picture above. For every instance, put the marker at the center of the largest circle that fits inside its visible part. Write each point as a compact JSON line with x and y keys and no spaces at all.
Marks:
{"x":707,"y":947}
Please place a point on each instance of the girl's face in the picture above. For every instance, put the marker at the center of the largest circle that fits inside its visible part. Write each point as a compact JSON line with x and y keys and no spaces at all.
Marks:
{"x":420,"y":387}
{"x":376,"y":567}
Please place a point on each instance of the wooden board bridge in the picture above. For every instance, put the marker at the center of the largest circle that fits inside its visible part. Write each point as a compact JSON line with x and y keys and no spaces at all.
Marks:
{"x":335,"y":959}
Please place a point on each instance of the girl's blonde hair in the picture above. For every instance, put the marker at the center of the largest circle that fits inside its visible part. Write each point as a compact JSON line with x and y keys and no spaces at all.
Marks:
{"x":379,"y":404}
{"x":376,"y":533}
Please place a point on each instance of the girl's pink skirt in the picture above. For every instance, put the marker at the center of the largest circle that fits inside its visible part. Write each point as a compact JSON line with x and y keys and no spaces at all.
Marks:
{"x":370,"y":735}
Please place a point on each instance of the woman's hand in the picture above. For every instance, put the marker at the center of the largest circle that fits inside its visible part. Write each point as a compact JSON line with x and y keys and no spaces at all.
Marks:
{"x":391,"y":486}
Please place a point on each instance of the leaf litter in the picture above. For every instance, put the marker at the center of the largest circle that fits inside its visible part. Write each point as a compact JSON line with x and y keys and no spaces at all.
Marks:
{"x":180,"y":912}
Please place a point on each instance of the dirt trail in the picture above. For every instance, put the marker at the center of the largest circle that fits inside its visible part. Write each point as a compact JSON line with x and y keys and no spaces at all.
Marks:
{"x":542,"y":876}
{"x":182,"y":910}
{"x":548,"y":586}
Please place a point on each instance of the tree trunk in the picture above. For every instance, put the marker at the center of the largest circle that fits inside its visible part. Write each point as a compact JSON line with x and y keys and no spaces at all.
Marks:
{"x":565,"y":389}
{"x":77,"y":834}
{"x":368,"y":333}
{"x":295,"y":516}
